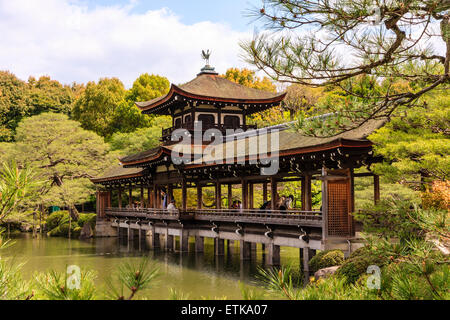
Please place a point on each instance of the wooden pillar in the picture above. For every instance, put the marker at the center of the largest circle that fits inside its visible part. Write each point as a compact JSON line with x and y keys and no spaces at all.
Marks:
{"x":250,"y":196}
{"x":130,"y":196}
{"x":199,"y":196}
{"x":149,"y":197}
{"x":199,"y":244}
{"x":142,"y":196}
{"x":273,"y":192}
{"x":218,"y":195}
{"x":156,"y":197}
{"x":245,"y":250}
{"x":130,"y":233}
{"x":120,"y":197}
{"x":169,"y":193}
{"x":155,"y":238}
{"x":244,"y":194}
{"x":351,"y":224}
{"x":376,"y":188}
{"x":264,"y":191}
{"x":184,"y":241}
{"x":324,"y":205}
{"x":273,"y":255}
{"x":230,"y":195}
{"x":303,"y":195}
{"x":168,"y":241}
{"x":183,"y":195}
{"x":219,"y":246}
{"x":307,"y":192}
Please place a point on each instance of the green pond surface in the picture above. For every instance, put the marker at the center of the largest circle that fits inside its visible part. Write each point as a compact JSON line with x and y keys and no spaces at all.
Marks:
{"x":202,"y":276}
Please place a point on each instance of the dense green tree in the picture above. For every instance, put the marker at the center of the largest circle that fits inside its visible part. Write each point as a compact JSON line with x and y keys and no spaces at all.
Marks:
{"x":13,"y":104}
{"x":148,"y":87}
{"x":63,"y":155}
{"x":142,"y":139}
{"x":46,"y":95}
{"x":96,"y":107}
{"x":416,"y":142}
{"x":248,"y":78}
{"x":107,"y":107}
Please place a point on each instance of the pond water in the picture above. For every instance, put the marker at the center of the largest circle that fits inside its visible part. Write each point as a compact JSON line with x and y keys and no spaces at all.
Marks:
{"x":202,"y":276}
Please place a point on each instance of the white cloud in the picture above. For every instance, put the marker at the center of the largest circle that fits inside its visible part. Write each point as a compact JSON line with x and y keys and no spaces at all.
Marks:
{"x":69,"y":42}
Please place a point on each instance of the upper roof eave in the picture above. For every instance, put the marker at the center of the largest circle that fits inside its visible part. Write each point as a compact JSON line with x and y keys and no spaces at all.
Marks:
{"x":153,"y":105}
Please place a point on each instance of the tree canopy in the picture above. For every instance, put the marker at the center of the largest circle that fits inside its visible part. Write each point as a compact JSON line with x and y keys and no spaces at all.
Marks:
{"x":327,"y":43}
{"x":63,"y":155}
{"x":148,"y":87}
{"x":416,"y":142}
{"x":19,"y":99}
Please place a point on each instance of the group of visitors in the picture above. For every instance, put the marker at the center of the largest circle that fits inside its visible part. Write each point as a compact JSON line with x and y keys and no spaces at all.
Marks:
{"x":281,"y":203}
{"x":135,"y":205}
{"x":166,"y":204}
{"x":237,"y":204}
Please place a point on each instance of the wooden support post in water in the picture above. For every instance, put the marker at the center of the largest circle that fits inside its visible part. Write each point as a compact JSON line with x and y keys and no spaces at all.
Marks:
{"x":199,"y":244}
{"x":245,"y":249}
{"x":273,"y":255}
{"x":130,"y":233}
{"x":230,"y":247}
{"x":376,"y":188}
{"x":169,"y":242}
{"x":219,"y":246}
{"x":155,"y":239}
{"x":184,"y":241}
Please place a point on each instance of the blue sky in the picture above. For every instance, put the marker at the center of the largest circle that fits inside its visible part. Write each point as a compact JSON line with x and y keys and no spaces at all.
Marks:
{"x":232,"y":12}
{"x":84,"y":40}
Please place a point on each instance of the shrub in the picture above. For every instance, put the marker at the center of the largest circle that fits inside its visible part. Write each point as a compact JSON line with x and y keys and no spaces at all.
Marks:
{"x":58,"y":224}
{"x":325,"y":259}
{"x":357,"y":264}
{"x":87,"y":218}
{"x":56,"y":219}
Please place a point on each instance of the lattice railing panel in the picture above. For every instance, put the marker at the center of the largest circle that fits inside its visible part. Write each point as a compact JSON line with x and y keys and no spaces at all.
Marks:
{"x":339,"y":220}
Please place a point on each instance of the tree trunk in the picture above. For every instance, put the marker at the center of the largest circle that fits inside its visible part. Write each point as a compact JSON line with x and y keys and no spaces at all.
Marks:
{"x":34,"y":225}
{"x":74,"y":212}
{"x":70,"y":221}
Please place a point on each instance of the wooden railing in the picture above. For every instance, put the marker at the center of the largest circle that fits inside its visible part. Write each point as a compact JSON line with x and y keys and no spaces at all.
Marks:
{"x":289,"y":217}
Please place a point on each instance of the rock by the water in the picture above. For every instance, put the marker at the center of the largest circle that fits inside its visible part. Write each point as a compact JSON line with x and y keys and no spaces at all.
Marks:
{"x":325,"y":272}
{"x":86,"y":232}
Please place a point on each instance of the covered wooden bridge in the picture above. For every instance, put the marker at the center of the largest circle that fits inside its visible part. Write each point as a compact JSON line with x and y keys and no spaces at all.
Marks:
{"x":222,"y":105}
